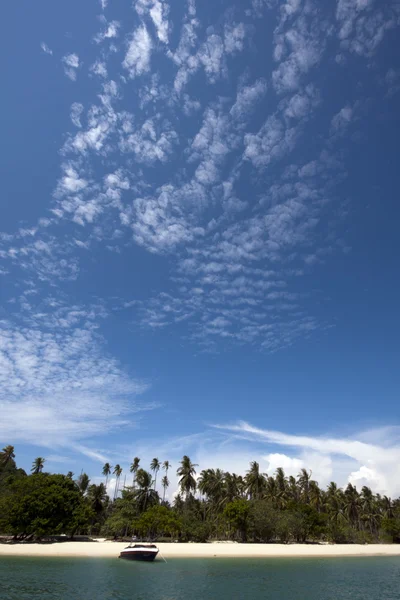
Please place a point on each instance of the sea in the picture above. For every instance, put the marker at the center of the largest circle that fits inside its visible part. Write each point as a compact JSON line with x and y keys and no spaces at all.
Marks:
{"x":363,"y":578}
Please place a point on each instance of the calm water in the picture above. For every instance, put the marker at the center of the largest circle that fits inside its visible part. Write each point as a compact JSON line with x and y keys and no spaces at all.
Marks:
{"x":200,"y":579}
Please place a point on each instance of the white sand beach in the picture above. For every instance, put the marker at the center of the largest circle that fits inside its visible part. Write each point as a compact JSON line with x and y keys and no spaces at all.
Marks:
{"x":108,"y":549}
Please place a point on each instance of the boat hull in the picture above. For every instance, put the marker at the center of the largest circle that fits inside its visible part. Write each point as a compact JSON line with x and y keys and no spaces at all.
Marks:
{"x":139,"y":556}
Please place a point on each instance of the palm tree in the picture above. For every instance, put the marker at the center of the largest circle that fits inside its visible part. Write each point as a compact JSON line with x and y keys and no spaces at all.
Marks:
{"x":352,"y":505}
{"x":165,"y":485}
{"x":70,"y":475}
{"x":315,"y":495}
{"x":280,"y":479}
{"x":155,"y":467}
{"x":83,"y":483}
{"x":97,"y":495}
{"x":107,"y":471}
{"x":134,"y":469}
{"x":186,"y":472}
{"x":334,"y":502}
{"x":211,"y":484}
{"x":145,"y":495}
{"x":6,"y":455}
{"x":233,"y":487}
{"x":37,"y":465}
{"x":166,"y":466}
{"x":117,"y":472}
{"x":255,"y":481}
{"x":303,"y":479}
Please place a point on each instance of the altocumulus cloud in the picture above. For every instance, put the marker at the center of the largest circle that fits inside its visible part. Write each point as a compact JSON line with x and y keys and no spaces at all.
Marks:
{"x":58,"y":389}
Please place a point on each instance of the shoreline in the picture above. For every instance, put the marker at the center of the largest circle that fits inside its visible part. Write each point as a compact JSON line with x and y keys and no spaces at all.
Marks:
{"x":109,"y":549}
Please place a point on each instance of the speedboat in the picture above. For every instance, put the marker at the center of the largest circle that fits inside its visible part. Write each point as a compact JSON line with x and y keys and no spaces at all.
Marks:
{"x":139,"y":552}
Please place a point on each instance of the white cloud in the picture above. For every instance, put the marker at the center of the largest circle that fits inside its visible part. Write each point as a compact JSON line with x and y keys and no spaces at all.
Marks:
{"x":301,"y":104}
{"x":111,"y":31}
{"x":58,"y":389}
{"x":341,"y":120}
{"x":234,"y":36}
{"x":45,"y":48}
{"x":299,"y":46}
{"x":346,"y":459}
{"x":247,"y":98}
{"x":150,"y":143}
{"x":272,"y":142}
{"x":76,"y":111}
{"x":212,"y":56}
{"x":158,"y":12}
{"x":137,"y":59}
{"x":71,"y":182}
{"x":363,"y":24}
{"x":71,"y":65}
{"x":99,"y":68}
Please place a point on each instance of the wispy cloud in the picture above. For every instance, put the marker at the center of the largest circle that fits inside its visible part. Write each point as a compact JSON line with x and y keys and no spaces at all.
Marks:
{"x":158,"y":12}
{"x":59,"y":389}
{"x":367,"y":463}
{"x":46,"y":49}
{"x":76,"y":111}
{"x":71,"y":65}
{"x":362,"y":24}
{"x":110,"y":31}
{"x":137,"y":58}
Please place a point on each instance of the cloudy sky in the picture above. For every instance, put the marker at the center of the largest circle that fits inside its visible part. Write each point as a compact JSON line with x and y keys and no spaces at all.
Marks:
{"x":199,"y":235}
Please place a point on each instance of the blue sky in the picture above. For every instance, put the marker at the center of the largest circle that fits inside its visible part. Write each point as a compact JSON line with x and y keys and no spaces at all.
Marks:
{"x":198,"y":240}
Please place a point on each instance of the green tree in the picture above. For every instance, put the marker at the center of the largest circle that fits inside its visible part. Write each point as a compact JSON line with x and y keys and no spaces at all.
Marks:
{"x":6,"y":455}
{"x":37,"y":465}
{"x":165,"y":485}
{"x":262,"y":520}
{"x":117,"y":472}
{"x":255,"y":481}
{"x":237,"y":515}
{"x":97,"y":496}
{"x":158,"y":521}
{"x":106,"y":471}
{"x":134,"y":469}
{"x":83,"y":483}
{"x":43,"y":505}
{"x":155,"y":467}
{"x":145,"y":494}
{"x":186,"y":472}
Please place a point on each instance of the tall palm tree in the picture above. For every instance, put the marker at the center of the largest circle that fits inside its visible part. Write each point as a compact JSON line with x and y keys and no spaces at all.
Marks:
{"x":117,"y":472}
{"x":107,"y":471}
{"x":233,"y":487}
{"x":6,"y":455}
{"x":37,"y":465}
{"x":83,"y":483}
{"x":145,"y":495}
{"x":211,"y":484}
{"x":315,"y":495}
{"x":186,"y":473}
{"x":166,"y":466}
{"x":303,"y":479}
{"x":255,"y":481}
{"x":134,"y":469}
{"x":352,"y":505}
{"x":97,"y":495}
{"x":155,"y":467}
{"x":165,"y":485}
{"x":280,"y":479}
{"x":334,"y":502}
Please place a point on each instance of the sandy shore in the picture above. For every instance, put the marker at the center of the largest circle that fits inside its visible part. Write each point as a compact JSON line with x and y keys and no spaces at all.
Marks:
{"x":107,"y":549}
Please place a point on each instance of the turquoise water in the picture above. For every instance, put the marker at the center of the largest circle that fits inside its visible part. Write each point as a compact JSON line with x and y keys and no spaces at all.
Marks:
{"x":200,"y":579}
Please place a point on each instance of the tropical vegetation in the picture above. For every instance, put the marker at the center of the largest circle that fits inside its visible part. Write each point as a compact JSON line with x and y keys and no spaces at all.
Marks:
{"x":209,"y":504}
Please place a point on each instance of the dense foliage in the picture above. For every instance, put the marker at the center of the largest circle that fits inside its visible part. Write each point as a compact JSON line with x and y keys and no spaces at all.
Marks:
{"x":215,"y":504}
